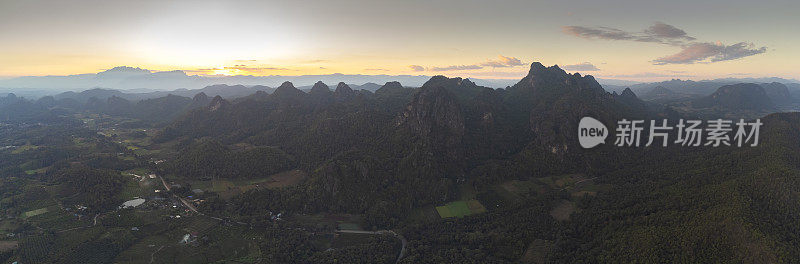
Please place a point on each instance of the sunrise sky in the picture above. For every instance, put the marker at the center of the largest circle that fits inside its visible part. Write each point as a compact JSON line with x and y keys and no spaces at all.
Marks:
{"x":630,"y":40}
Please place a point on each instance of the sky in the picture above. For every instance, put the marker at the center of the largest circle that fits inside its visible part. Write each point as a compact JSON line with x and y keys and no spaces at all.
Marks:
{"x":627,"y":40}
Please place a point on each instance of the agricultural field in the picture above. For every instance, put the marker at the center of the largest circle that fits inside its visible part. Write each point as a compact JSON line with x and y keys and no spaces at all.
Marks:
{"x":460,"y":209}
{"x":138,"y":188}
{"x":33,"y":213}
{"x":227,"y":188}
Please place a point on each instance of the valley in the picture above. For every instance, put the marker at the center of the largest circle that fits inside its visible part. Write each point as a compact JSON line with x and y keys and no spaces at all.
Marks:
{"x":447,"y":172}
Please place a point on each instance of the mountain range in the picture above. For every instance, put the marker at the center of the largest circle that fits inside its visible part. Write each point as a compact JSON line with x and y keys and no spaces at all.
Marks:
{"x":142,"y":80}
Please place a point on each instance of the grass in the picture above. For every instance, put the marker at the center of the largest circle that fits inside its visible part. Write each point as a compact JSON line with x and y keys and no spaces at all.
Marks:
{"x":134,"y":189}
{"x":228,"y":188}
{"x":221,"y":185}
{"x":460,"y":209}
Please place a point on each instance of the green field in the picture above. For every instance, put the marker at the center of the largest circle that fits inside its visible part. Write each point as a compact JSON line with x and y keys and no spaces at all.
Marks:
{"x":460,"y":209}
{"x":33,"y":213}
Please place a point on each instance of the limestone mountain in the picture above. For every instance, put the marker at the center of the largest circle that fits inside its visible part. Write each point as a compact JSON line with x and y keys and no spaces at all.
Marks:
{"x":554,"y":101}
{"x":435,"y":118}
{"x":777,"y":92}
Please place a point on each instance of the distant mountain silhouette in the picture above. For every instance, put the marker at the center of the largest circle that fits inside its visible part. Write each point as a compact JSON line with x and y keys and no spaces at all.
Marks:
{"x":743,"y":96}
{"x":131,"y":78}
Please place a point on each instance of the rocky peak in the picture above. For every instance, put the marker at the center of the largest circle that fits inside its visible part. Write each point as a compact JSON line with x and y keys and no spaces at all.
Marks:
{"x":200,"y":100}
{"x":287,"y":91}
{"x":217,"y":103}
{"x":541,"y":79}
{"x":440,"y":80}
{"x":343,"y":91}
{"x":627,"y":93}
{"x":390,"y":88}
{"x":320,"y":94}
{"x":628,"y":98}
{"x":392,"y":85}
{"x":556,"y":100}
{"x":320,"y":88}
{"x":200,"y":97}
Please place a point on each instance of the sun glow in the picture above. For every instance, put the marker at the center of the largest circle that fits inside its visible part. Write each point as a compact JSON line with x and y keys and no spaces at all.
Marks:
{"x":226,"y":71}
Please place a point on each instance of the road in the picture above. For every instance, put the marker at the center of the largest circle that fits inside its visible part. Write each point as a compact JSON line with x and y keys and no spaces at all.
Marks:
{"x":184,"y":201}
{"x":381,"y":232}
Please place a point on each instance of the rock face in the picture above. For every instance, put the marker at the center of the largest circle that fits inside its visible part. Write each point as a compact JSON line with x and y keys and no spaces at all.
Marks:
{"x":742,"y":96}
{"x":434,"y":112}
{"x":434,"y":117}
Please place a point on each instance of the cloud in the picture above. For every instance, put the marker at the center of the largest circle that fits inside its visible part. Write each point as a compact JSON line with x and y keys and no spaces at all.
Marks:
{"x":376,"y":69}
{"x":586,"y":66}
{"x":456,"y":68}
{"x":691,"y":51}
{"x":657,"y":33}
{"x":662,"y":30}
{"x":710,"y":52}
{"x":503,"y":61}
{"x":648,"y":75}
{"x":254,"y":69}
{"x":500,"y":62}
{"x":416,"y":67}
{"x":597,"y":32}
